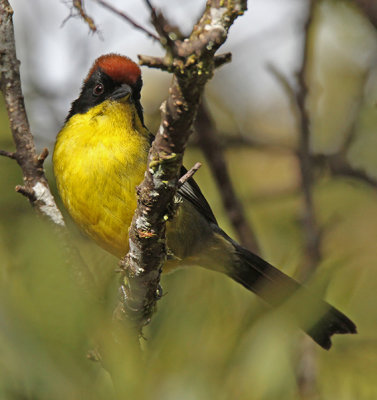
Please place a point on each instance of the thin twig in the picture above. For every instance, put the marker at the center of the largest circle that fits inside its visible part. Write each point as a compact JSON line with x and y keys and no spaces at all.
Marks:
{"x":26,"y":192}
{"x":312,"y":232}
{"x":337,"y":163}
{"x":284,"y":83}
{"x":42,"y":157}
{"x":244,"y":139}
{"x":222,"y":59}
{"x":162,"y":27}
{"x":307,"y":369}
{"x":345,"y":170}
{"x":212,"y":149}
{"x":189,"y":174}
{"x":128,"y":19}
{"x":80,"y":8}
{"x":339,"y":166}
{"x":150,"y":6}
{"x":35,"y":183}
{"x":153,"y":62}
{"x":12,"y":155}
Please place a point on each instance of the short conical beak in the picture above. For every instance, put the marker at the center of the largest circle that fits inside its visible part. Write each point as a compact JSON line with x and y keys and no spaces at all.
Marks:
{"x":124,"y":91}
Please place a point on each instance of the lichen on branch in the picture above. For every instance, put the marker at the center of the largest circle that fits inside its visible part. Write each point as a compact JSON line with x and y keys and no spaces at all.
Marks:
{"x":35,"y":186}
{"x":192,"y":61}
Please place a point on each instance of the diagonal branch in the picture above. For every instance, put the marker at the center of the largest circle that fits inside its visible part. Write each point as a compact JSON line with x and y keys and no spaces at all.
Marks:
{"x":339,"y":166}
{"x":78,"y":4}
{"x":128,"y":19}
{"x":210,"y":145}
{"x":189,"y":174}
{"x":192,"y":62}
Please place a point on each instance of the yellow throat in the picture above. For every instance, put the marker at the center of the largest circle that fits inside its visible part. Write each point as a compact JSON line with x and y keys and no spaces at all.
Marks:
{"x":99,"y":159}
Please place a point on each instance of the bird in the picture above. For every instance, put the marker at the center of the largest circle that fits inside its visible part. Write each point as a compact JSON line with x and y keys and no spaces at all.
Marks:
{"x":100,"y":157}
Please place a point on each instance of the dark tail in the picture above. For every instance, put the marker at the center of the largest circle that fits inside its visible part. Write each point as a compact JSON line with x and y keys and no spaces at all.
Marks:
{"x":320,"y":322}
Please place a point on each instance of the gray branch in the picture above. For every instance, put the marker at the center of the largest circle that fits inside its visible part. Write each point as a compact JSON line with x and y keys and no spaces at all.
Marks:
{"x":192,"y":62}
{"x":35,"y":186}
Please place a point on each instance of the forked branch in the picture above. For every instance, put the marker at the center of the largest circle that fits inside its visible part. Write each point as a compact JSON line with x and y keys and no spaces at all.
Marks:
{"x":192,"y":62}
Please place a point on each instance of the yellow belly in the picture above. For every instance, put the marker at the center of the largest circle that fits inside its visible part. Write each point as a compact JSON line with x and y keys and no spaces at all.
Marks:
{"x":99,"y":159}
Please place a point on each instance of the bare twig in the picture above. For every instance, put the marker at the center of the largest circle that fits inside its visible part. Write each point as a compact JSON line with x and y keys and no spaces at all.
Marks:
{"x":344,"y":169}
{"x":244,"y":139}
{"x":153,"y":62}
{"x":26,"y":192}
{"x":339,"y":166}
{"x":312,"y":232}
{"x":128,"y":19}
{"x":79,"y":6}
{"x":8,"y":154}
{"x":142,"y":266}
{"x":42,"y":157}
{"x":212,"y":149}
{"x":337,"y":163}
{"x":222,"y":59}
{"x":165,"y":63}
{"x":307,"y":369}
{"x":284,"y":83}
{"x":35,"y":183}
{"x":167,"y":32}
{"x":189,"y":174}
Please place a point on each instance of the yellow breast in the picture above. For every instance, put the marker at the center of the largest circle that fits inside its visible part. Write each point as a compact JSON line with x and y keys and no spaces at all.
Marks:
{"x":99,"y":159}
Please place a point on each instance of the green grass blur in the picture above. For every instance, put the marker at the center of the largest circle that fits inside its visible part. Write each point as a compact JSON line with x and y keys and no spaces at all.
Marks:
{"x":210,"y":338}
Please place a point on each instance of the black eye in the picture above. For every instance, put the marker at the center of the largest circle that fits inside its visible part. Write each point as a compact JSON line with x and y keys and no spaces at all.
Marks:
{"x":98,"y":89}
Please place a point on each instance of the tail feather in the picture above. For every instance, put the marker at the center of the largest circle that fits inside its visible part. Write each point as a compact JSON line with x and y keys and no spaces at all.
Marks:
{"x":333,"y":321}
{"x":275,"y":287}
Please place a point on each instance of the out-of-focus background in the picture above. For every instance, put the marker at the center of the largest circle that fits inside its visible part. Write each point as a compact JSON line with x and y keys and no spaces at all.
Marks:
{"x":210,"y":338}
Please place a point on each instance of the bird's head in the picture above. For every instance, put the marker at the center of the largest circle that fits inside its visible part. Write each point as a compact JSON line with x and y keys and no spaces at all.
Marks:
{"x":112,"y":77}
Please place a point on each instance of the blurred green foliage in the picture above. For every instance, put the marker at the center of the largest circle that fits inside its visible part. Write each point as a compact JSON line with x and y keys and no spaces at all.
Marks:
{"x":210,"y":338}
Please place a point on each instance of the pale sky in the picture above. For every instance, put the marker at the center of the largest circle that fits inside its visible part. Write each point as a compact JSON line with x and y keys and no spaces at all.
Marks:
{"x":57,"y":57}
